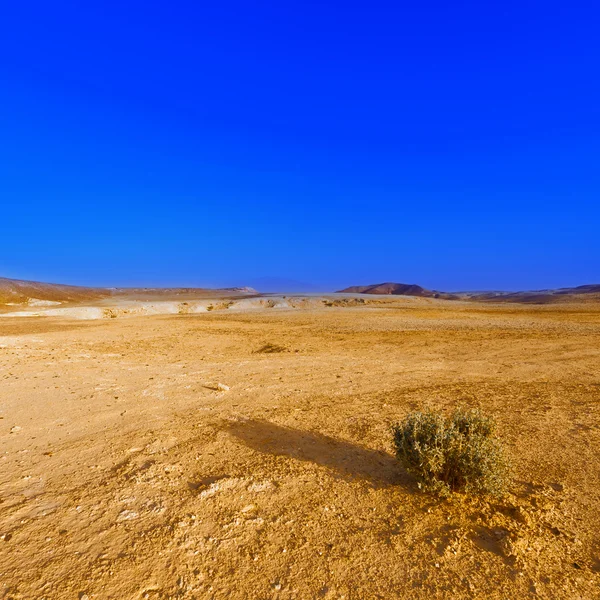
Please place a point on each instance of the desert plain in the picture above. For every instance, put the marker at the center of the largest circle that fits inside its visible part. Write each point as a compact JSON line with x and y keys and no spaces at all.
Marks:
{"x":247,"y":454}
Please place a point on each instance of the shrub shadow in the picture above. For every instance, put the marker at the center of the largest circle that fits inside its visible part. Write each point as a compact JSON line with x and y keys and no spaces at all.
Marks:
{"x":348,"y":460}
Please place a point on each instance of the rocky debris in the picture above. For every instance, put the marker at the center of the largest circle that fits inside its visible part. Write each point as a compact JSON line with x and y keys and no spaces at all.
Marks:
{"x":217,"y":387}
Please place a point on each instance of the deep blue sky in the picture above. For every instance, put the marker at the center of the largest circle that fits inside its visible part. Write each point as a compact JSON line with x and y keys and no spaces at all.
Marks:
{"x":451,"y":144}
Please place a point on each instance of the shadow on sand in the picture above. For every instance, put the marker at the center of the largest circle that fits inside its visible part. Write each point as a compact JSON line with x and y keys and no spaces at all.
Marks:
{"x":348,"y":460}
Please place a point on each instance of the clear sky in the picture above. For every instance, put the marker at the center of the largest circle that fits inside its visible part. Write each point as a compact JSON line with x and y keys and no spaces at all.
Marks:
{"x":451,"y":144}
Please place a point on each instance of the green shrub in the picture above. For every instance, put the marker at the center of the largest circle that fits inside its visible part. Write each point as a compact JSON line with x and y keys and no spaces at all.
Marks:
{"x":456,"y":453}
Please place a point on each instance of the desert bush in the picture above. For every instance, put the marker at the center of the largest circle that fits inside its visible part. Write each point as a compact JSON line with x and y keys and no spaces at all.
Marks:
{"x":456,"y":453}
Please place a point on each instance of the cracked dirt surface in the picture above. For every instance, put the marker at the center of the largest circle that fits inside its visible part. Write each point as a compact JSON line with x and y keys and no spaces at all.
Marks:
{"x":248,"y":455}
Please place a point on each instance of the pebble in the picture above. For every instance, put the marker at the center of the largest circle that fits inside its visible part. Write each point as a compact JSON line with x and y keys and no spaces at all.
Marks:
{"x":127,"y":515}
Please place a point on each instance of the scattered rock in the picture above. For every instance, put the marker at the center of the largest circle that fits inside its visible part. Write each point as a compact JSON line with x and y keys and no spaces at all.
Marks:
{"x":512,"y":546}
{"x":217,"y":387}
{"x":127,"y":515}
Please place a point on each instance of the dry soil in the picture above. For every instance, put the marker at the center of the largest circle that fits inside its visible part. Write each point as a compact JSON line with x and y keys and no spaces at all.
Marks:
{"x":248,"y":454}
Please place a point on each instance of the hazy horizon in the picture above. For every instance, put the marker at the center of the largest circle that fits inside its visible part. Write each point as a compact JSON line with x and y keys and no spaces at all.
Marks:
{"x":282,"y":284}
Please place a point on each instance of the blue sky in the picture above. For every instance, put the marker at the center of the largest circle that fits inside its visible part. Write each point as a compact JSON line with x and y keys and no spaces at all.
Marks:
{"x":454,"y":145}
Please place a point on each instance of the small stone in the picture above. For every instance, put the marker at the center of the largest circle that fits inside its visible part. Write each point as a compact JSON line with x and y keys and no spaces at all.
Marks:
{"x":217,"y":387}
{"x":127,"y":515}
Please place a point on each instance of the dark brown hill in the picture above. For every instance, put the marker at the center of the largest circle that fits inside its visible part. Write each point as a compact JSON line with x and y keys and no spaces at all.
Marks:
{"x":396,"y":289}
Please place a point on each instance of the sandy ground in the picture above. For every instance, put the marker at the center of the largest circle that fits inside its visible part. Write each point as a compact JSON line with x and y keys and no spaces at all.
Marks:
{"x":111,"y":308}
{"x":129,"y":472}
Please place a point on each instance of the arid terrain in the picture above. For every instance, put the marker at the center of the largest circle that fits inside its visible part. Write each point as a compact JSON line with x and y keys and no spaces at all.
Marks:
{"x":246,"y":453}
{"x":582,"y":293}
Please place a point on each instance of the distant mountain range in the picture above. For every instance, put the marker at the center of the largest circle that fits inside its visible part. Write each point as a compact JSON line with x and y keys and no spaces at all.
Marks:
{"x":589,"y":292}
{"x":16,"y":291}
{"x":580,"y":293}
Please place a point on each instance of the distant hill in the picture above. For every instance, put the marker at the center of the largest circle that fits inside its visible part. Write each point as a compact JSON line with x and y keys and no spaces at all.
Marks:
{"x":396,"y":289}
{"x":582,"y":293}
{"x":34,"y":293}
{"x":18,"y":292}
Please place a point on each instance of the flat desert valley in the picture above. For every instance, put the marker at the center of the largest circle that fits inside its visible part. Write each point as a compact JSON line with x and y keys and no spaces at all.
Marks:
{"x":247,"y":453}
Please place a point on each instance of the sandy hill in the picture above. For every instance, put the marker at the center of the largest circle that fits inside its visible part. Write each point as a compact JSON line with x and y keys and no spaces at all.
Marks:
{"x":16,"y":291}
